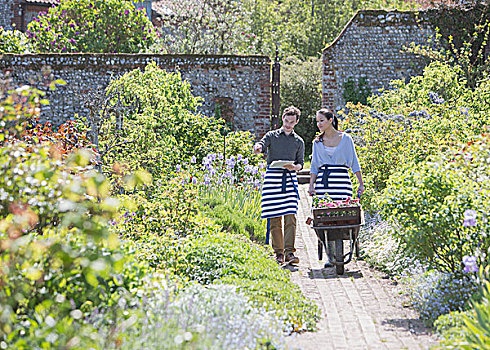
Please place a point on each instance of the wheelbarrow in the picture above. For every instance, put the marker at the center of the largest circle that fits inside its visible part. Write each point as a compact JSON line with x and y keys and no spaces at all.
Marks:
{"x":337,"y":225}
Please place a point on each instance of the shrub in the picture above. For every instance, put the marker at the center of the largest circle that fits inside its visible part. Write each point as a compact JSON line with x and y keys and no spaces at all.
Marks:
{"x":301,"y":87}
{"x":450,"y":327}
{"x":382,"y":249}
{"x":356,"y":92}
{"x":233,"y":220}
{"x":92,"y":26}
{"x":211,"y":317}
{"x":154,"y":114}
{"x":474,"y":330}
{"x":434,"y":294}
{"x":430,"y":200}
{"x":412,"y":122}
{"x":14,"y":41}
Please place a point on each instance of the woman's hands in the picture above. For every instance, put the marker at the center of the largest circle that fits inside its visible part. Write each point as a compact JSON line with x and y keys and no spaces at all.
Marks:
{"x":360,"y":190}
{"x":311,"y":190}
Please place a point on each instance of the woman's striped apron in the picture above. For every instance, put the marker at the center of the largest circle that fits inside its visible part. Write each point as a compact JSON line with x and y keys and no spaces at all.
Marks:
{"x":334,"y":180}
{"x":279,"y":193}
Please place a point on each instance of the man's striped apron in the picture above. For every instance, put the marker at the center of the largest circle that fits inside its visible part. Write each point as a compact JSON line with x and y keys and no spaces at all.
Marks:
{"x":279,"y":193}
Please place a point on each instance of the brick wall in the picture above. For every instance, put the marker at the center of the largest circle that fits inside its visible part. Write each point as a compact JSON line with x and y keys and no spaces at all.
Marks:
{"x":240,"y":84}
{"x":370,"y":46}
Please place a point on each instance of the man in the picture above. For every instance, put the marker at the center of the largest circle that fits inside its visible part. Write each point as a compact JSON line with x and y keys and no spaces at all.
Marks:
{"x":279,"y":192}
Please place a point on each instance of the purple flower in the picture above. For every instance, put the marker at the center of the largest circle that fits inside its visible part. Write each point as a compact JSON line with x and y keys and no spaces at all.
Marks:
{"x":178,"y":168}
{"x":220,"y":156}
{"x":262,"y":165}
{"x":206,"y":180}
{"x":126,"y":12}
{"x":239,"y":157}
{"x":194,"y":180}
{"x":470,"y":263}
{"x":435,"y":98}
{"x":228,"y":174}
{"x":254,"y":171}
{"x":469,"y":218}
{"x":245,"y":161}
{"x":193,"y":159}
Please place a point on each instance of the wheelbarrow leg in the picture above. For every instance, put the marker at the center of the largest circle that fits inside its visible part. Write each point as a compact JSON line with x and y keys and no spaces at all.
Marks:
{"x":321,"y":240}
{"x":339,"y":256}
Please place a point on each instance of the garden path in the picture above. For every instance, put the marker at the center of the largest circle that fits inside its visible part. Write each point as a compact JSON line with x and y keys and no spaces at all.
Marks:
{"x":360,"y":309}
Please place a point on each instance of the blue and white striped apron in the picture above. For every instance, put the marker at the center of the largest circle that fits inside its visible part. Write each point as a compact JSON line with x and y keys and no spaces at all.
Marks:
{"x":334,"y":180}
{"x":279,"y":193}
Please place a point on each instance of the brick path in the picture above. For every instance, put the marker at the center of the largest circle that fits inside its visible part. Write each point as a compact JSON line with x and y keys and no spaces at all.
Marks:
{"x":360,"y":309}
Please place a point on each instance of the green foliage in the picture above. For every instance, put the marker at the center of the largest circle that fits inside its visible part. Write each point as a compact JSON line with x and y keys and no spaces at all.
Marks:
{"x":14,"y":41}
{"x":280,"y":297}
{"x":92,"y":26}
{"x":301,"y":87}
{"x":233,"y":220}
{"x":356,"y":92}
{"x":460,"y":40}
{"x":209,"y":254}
{"x":450,"y":328}
{"x":423,"y":117}
{"x":303,"y":28}
{"x":59,"y":262}
{"x":429,"y":200}
{"x":155,"y":124}
{"x":476,"y":328}
{"x":209,"y":27}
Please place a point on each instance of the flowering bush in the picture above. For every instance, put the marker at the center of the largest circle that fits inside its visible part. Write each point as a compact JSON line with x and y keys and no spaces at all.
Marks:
{"x":155,"y":125}
{"x":14,"y":41}
{"x":212,"y":317}
{"x":442,"y":205}
{"x":434,"y":294}
{"x":92,"y":26}
{"x":413,"y":121}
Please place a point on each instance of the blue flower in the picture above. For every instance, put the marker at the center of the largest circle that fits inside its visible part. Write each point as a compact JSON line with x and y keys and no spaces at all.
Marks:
{"x":469,"y":218}
{"x":435,"y":98}
{"x":470,"y":263}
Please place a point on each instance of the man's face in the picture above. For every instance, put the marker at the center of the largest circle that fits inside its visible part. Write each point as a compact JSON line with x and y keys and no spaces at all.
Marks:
{"x":288,"y":123}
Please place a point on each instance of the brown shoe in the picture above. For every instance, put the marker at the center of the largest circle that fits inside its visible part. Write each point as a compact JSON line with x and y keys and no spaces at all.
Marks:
{"x":291,"y":259}
{"x":280,"y":258}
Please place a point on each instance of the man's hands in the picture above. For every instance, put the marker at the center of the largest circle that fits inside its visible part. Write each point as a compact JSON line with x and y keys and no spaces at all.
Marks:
{"x":291,"y":167}
{"x":257,"y":148}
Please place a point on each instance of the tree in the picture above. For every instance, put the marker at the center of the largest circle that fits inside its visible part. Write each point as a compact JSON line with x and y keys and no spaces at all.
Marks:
{"x":93,"y":26}
{"x":206,"y":27}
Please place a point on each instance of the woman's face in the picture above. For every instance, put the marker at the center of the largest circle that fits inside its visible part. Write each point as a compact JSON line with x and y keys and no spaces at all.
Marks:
{"x":322,"y":122}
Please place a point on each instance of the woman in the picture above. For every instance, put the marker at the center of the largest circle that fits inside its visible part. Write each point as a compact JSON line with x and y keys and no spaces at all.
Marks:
{"x":333,"y":154}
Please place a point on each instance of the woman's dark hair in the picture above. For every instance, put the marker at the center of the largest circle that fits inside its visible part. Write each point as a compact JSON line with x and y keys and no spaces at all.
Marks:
{"x":327,"y":113}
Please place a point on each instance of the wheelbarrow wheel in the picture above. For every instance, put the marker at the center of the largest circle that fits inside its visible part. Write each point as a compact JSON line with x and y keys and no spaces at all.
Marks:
{"x":320,"y":250}
{"x":339,"y":256}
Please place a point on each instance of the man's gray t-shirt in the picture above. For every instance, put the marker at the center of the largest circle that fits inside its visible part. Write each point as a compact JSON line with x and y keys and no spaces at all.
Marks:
{"x":280,"y":146}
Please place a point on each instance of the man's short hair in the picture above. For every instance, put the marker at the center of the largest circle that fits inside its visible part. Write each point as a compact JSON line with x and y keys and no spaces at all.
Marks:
{"x":291,"y":110}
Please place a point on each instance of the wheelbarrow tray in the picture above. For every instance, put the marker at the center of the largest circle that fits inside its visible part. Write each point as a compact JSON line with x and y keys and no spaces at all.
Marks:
{"x":338,"y":224}
{"x":337,"y":216}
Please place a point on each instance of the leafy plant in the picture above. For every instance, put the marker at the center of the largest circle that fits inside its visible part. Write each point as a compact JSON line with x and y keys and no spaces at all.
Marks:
{"x":92,"y":26}
{"x":14,"y":41}
{"x":356,"y":92}
{"x":301,"y":87}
